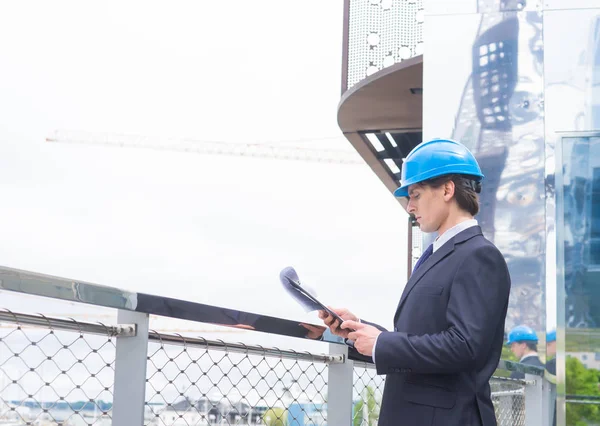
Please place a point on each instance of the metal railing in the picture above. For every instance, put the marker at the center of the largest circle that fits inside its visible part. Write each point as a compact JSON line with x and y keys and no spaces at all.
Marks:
{"x":61,"y":372}
{"x":55,"y":371}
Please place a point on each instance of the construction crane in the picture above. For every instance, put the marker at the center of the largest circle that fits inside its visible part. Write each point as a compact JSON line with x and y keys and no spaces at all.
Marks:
{"x":256,"y":150}
{"x":281,"y":151}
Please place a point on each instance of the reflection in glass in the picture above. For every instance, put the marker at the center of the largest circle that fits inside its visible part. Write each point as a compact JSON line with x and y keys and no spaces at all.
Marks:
{"x":581,"y":198}
{"x":581,"y":191}
{"x":500,"y":119}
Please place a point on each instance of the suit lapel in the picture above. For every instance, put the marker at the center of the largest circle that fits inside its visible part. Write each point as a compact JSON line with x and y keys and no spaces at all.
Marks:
{"x":436,"y":257}
{"x":439,"y":254}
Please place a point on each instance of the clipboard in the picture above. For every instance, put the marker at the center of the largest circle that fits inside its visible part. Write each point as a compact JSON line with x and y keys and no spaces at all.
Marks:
{"x":290,"y":281}
{"x":296,"y":286}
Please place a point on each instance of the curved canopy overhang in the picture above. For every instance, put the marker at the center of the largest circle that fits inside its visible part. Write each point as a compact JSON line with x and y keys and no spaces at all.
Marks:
{"x":382,"y":117}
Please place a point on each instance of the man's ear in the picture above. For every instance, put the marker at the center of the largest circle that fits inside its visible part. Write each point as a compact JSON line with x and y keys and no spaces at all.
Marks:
{"x":449,"y":190}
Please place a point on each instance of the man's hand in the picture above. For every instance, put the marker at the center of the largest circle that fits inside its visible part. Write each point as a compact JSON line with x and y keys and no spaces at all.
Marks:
{"x":333,"y":324}
{"x":364,"y":336}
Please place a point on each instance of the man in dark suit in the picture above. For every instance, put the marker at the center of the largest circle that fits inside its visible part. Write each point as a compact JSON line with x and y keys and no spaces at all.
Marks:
{"x":523,"y":344}
{"x":551,"y":368}
{"x":449,"y":324}
{"x":551,"y":352}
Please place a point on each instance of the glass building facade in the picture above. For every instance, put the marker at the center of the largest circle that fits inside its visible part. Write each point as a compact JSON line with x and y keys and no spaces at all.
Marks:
{"x":518,"y":82}
{"x":521,"y":88}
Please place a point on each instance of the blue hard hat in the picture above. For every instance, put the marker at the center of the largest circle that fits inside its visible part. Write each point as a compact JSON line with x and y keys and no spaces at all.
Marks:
{"x":521,"y":333}
{"x":435,"y":158}
{"x":551,"y":336}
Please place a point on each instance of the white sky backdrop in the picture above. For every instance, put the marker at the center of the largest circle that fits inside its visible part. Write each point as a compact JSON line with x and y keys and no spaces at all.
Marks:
{"x":211,"y":229}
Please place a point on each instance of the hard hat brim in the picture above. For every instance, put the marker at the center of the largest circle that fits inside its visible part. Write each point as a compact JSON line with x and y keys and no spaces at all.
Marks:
{"x":401,"y":192}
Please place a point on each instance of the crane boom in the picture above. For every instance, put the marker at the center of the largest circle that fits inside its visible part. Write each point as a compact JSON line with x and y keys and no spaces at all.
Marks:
{"x":257,"y":150}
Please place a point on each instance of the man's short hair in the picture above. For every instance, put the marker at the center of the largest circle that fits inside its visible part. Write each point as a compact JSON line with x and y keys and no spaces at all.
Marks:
{"x":531,"y":345}
{"x":465,"y":190}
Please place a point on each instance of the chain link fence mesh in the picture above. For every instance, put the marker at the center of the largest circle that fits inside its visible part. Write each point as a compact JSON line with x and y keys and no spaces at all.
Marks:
{"x":508,"y":397}
{"x":366,"y":394}
{"x":51,"y":377}
{"x":195,"y":385}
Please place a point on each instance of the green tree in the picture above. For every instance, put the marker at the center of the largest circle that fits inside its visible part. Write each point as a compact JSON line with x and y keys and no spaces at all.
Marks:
{"x":372,"y":408}
{"x":275,"y":417}
{"x":581,"y":381}
{"x":508,"y":356}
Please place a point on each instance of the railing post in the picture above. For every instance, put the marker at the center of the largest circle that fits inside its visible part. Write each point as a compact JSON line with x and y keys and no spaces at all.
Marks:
{"x":130,"y":372}
{"x":339,"y":388}
{"x":548,"y":402}
{"x":536,"y":401}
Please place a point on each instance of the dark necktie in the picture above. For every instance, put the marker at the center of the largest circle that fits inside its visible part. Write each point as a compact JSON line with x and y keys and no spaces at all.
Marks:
{"x":424,"y":257}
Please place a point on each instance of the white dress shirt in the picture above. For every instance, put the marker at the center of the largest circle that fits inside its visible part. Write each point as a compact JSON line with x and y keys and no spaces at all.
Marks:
{"x":440,"y":241}
{"x":452,"y":232}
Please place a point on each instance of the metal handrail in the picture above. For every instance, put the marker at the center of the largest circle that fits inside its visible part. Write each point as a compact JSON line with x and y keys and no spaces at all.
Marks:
{"x":33,"y":283}
{"x":126,"y":330}
{"x":220,"y":345}
{"x":39,"y":320}
{"x":521,"y":368}
{"x":509,"y":392}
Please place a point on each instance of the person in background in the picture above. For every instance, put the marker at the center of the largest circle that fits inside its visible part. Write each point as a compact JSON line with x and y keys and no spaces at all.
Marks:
{"x":551,"y":352}
{"x":551,"y":367}
{"x":523,"y":344}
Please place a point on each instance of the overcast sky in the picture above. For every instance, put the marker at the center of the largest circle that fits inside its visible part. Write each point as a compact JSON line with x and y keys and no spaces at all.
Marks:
{"x":211,"y":229}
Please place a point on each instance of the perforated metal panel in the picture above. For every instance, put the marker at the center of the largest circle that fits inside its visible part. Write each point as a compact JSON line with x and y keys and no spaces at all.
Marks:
{"x":382,"y":33}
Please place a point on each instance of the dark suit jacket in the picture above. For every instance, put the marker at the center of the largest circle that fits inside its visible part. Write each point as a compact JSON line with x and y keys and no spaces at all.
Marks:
{"x":532,"y":360}
{"x":551,"y":368}
{"x":448,"y":336}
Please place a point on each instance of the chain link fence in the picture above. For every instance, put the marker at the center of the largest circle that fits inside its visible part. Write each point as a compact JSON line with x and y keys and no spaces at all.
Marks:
{"x":201,"y":382}
{"x":56,"y":372}
{"x":508,"y":397}
{"x":51,"y":376}
{"x":366,"y":394}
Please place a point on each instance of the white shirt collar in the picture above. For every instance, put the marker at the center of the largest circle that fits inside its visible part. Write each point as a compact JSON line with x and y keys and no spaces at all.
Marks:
{"x":456,"y":229}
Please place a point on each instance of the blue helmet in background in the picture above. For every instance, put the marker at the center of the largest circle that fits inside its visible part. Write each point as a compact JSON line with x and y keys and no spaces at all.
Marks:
{"x":551,"y":336}
{"x":436,"y":158}
{"x":521,"y":333}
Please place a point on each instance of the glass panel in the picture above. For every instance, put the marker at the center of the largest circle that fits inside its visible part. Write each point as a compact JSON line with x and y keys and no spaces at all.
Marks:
{"x":581,"y":245}
{"x":493,"y":104}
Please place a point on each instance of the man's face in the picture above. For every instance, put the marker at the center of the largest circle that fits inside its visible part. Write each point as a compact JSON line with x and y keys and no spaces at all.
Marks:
{"x":428,"y":206}
{"x":551,"y":349}
{"x":518,"y":349}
